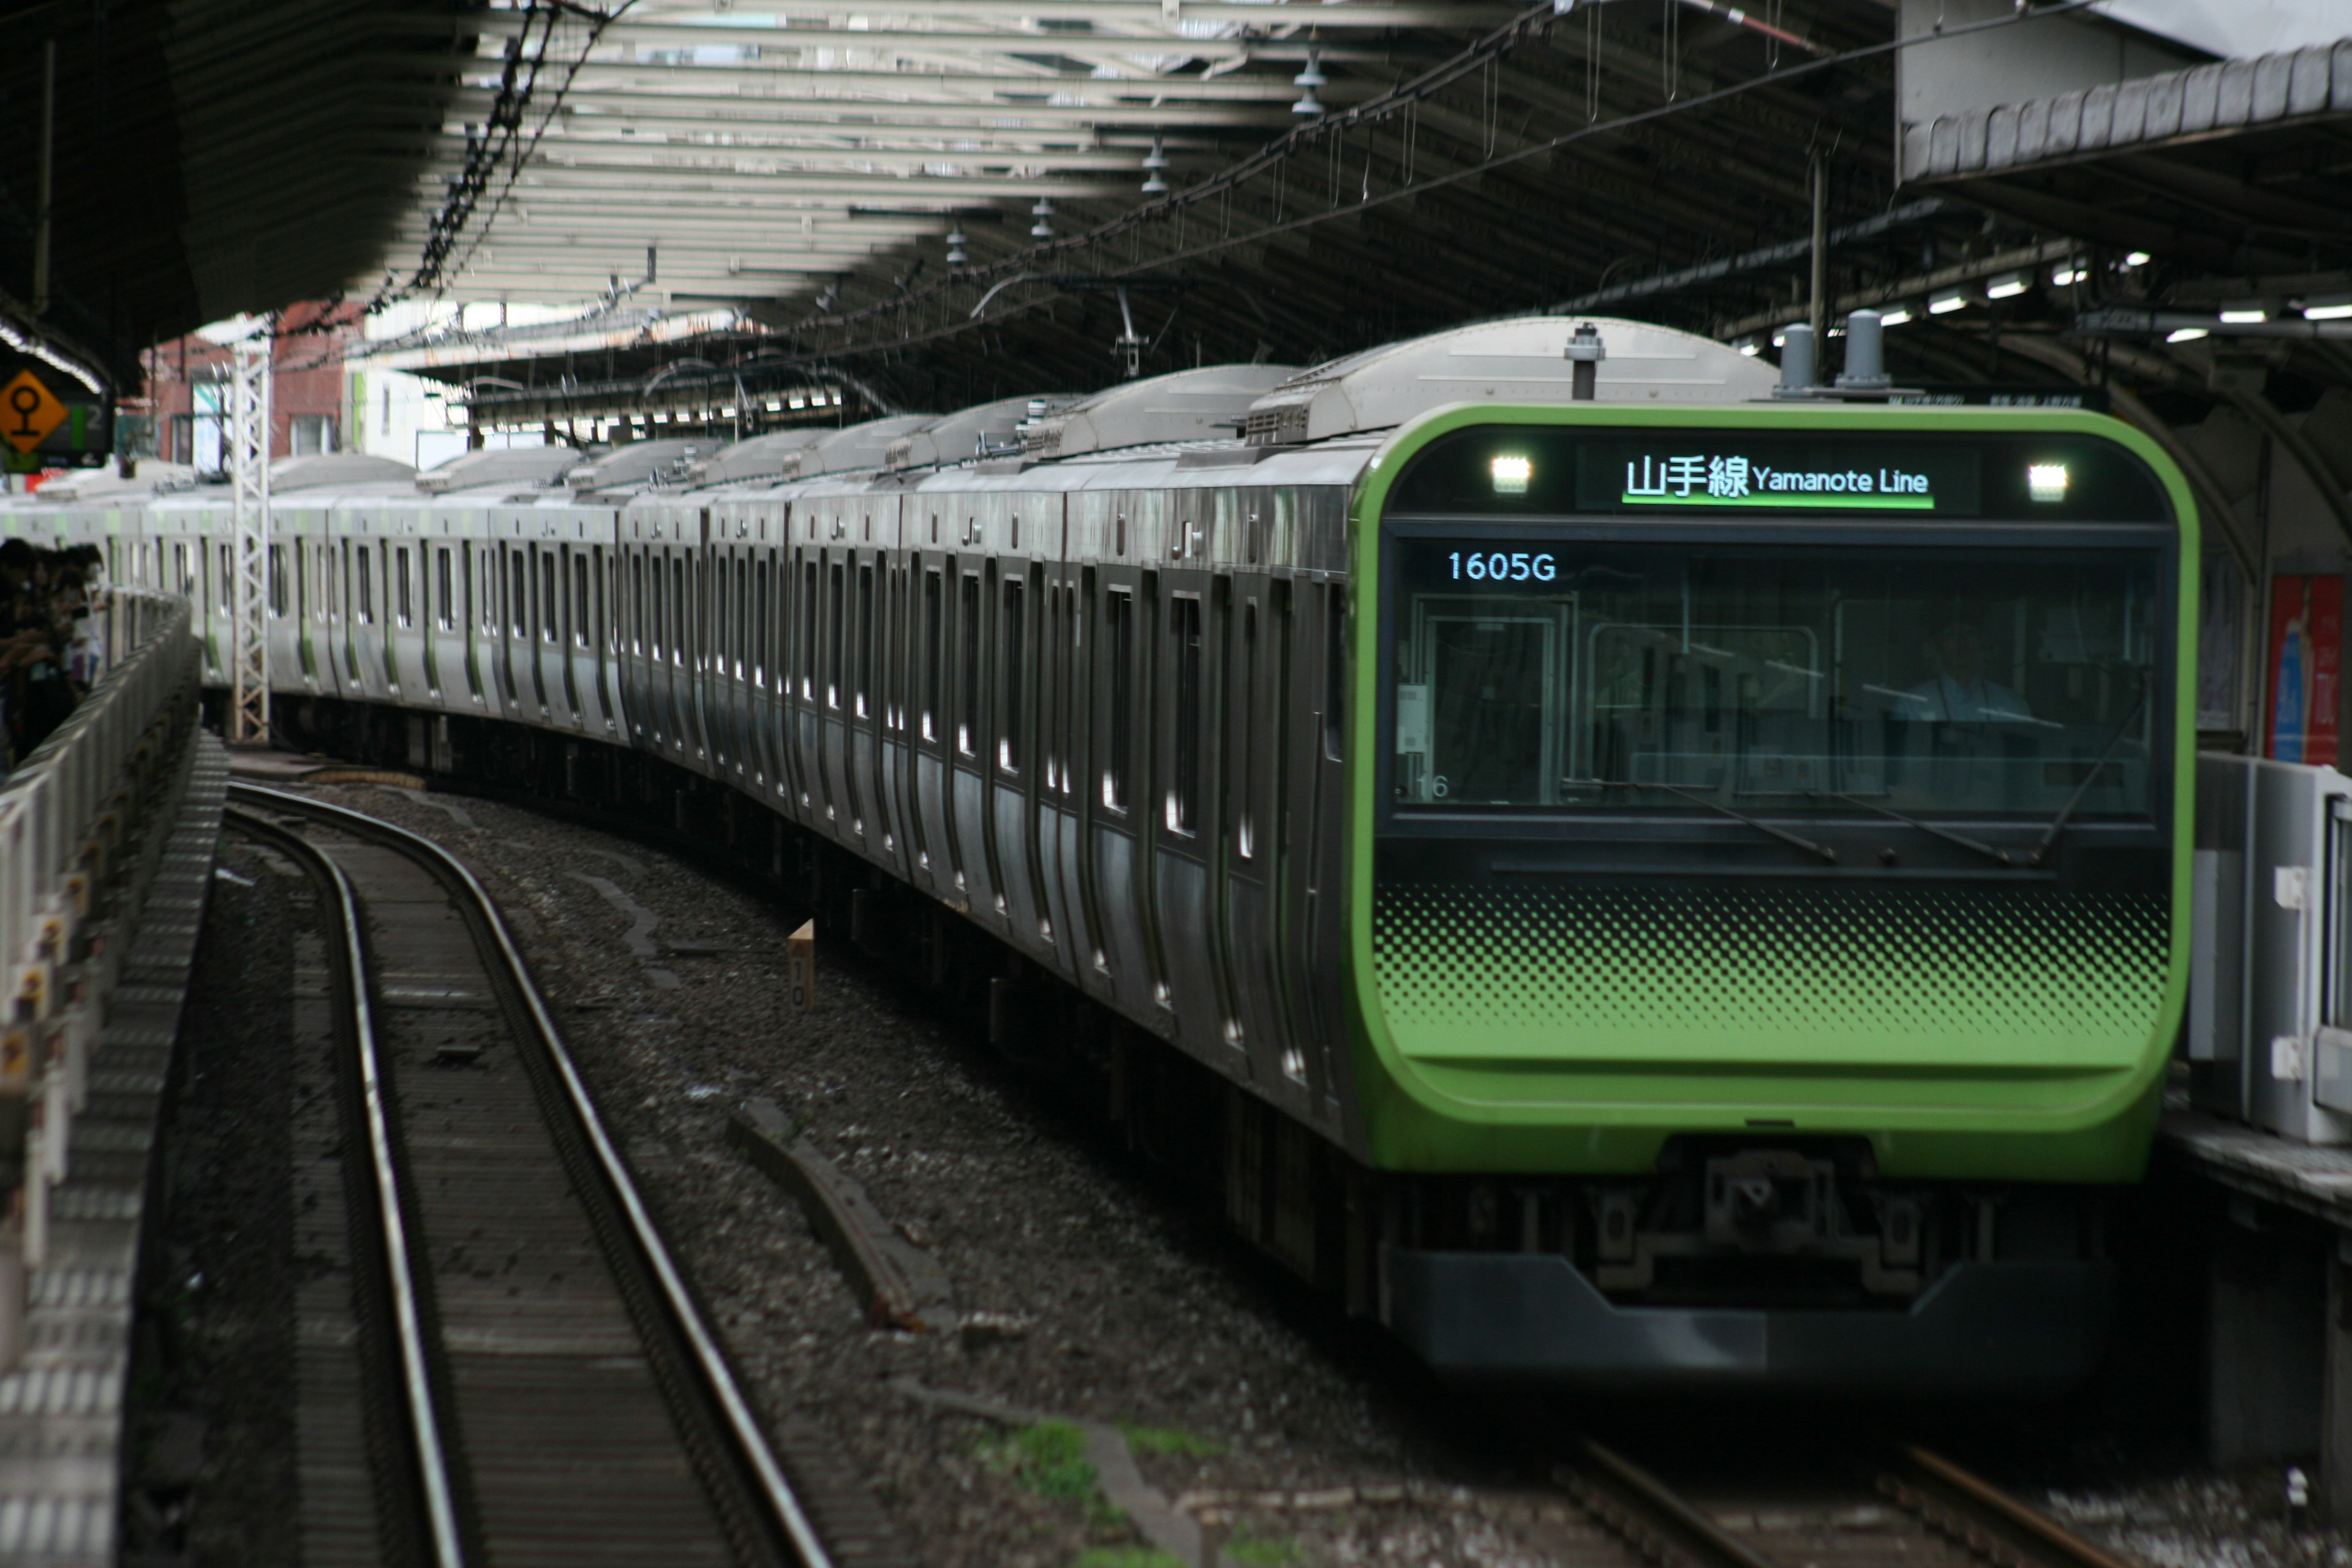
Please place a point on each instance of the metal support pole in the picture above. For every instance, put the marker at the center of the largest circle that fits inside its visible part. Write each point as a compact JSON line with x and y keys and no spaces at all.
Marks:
{"x":1820,"y":313}
{"x":249,"y":469}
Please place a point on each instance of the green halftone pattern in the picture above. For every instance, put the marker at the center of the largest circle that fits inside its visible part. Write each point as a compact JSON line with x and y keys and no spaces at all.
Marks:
{"x":1723,"y":972}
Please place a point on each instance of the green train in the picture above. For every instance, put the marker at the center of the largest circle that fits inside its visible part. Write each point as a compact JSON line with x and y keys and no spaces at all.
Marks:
{"x":1681,"y":888}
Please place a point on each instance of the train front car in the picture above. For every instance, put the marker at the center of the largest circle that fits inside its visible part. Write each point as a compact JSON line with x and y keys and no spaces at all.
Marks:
{"x":1770,"y":845}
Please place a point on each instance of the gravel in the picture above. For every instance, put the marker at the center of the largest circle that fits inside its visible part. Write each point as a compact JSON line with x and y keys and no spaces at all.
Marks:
{"x":211,"y":1411}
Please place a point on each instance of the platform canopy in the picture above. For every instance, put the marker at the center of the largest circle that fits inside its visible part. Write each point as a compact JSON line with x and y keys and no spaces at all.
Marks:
{"x":758,"y":149}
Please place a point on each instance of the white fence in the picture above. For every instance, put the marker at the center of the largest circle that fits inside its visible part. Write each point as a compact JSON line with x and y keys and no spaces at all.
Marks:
{"x":83,"y":822}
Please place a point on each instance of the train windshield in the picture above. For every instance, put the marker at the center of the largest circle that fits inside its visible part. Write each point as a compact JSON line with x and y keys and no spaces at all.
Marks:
{"x":1772,"y":678}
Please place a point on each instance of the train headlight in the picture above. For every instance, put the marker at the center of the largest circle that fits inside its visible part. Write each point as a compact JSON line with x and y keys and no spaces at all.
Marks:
{"x":2046,"y":481}
{"x":1511,"y":475}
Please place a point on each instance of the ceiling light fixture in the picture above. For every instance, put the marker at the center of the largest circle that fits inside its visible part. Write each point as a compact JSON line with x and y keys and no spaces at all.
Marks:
{"x":2327,"y":307}
{"x":2007,"y":286}
{"x":1044,"y":213}
{"x":2184,"y":335}
{"x":1155,"y":164}
{"x":1893,"y":315}
{"x":2244,"y":313}
{"x":1945,"y":303}
{"x":955,"y":245}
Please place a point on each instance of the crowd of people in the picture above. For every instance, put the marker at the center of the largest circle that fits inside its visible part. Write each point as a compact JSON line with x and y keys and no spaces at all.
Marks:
{"x":52,"y":642}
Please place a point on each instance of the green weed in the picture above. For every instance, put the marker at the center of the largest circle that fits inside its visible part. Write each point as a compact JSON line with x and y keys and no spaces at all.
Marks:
{"x":1268,"y":1551}
{"x":1173,"y":1440}
{"x":1049,"y":1459}
{"x":1126,"y":1557}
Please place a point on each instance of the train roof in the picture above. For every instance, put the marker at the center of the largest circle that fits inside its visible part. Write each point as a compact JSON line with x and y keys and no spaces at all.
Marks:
{"x":1520,"y":359}
{"x":504,"y":466}
{"x":979,"y":431}
{"x":1186,"y":405}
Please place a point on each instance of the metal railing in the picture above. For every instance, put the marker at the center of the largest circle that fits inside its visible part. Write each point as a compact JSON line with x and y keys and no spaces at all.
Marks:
{"x":84,"y":820}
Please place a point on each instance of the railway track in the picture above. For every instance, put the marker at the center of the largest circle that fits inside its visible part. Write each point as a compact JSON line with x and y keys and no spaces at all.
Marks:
{"x":1915,"y":1508}
{"x":546,"y":1389}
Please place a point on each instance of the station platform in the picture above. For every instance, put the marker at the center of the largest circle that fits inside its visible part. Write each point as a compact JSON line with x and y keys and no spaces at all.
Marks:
{"x":61,"y":1411}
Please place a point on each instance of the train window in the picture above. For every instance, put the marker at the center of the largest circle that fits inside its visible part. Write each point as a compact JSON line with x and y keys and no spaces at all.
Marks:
{"x":227,"y":579}
{"x":518,"y":584}
{"x":488,"y":618}
{"x":1118,"y":641}
{"x":1065,"y":716}
{"x":808,"y":630}
{"x":1009,"y":743}
{"x":1335,"y":664}
{"x":678,"y":628}
{"x":865,"y":638}
{"x":276,"y":581}
{"x":365,"y":592}
{"x":1278,"y":719}
{"x":180,"y":573}
{"x":967,"y":721}
{"x":934,"y":613}
{"x":654,"y":631}
{"x":400,"y":578}
{"x":1184,"y":777}
{"x":610,"y":639}
{"x":582,"y":629}
{"x":550,"y":601}
{"x":1245,"y":828}
{"x":742,"y":628}
{"x":763,"y":571}
{"x":636,"y":604}
{"x":448,"y":619}
{"x":834,"y":605}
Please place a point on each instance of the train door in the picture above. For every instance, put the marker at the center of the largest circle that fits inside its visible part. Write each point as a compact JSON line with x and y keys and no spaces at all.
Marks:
{"x":1316,"y":943}
{"x":1123,"y":716}
{"x":1252,"y":722}
{"x":742,"y":749}
{"x":688,"y":591}
{"x":893,"y":666}
{"x":767,"y":672}
{"x":1055,"y":824}
{"x":1195,"y":606}
{"x":811,"y":785}
{"x":974,"y":593}
{"x":578,"y":654}
{"x":929,"y":731}
{"x":844,"y":814}
{"x":1012,"y":775}
{"x":871,"y":631}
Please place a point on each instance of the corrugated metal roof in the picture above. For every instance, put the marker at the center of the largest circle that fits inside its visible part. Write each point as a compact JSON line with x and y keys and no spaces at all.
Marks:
{"x":2151,"y":112}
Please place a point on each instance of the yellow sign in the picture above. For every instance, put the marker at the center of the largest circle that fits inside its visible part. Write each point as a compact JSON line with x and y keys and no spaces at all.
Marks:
{"x":28,"y":412}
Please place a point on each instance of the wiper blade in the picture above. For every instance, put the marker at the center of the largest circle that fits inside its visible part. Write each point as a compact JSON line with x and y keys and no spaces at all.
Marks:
{"x":2050,"y":833}
{"x":1785,"y":836}
{"x":1946,"y":833}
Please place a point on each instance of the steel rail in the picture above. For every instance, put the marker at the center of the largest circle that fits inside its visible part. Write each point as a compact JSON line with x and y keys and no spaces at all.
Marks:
{"x":416,"y":1381}
{"x":1648,"y":1514}
{"x":717,"y":1380}
{"x":1966,"y":1495}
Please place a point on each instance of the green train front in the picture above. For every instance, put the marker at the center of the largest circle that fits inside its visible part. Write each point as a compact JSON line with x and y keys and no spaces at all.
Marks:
{"x":1771,"y":852}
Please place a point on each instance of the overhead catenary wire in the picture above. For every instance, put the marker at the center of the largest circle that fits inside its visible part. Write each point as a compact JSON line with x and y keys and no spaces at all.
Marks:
{"x":1278,"y":154}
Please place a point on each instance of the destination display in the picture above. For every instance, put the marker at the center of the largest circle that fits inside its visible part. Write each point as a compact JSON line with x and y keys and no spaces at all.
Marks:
{"x":1752,"y":474}
{"x":1899,"y":477}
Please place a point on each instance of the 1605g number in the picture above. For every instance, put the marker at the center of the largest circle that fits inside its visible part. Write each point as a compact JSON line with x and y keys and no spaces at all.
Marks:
{"x":1505,"y":566}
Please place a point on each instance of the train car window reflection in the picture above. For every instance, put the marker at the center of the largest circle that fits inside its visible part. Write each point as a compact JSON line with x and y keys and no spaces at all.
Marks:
{"x":1245,"y":829}
{"x":866,"y":633}
{"x":1335,"y":664}
{"x":407,"y":609}
{"x":742,"y":615}
{"x":836,"y":604}
{"x":365,"y":591}
{"x":582,"y":629}
{"x":934,"y":613}
{"x":276,"y":581}
{"x":549,"y":599}
{"x":1118,"y":644}
{"x":447,"y":619}
{"x":680,"y":628}
{"x":1184,"y":773}
{"x":1009,"y":747}
{"x":1804,"y":678}
{"x":808,"y":629}
{"x":968,"y":615}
